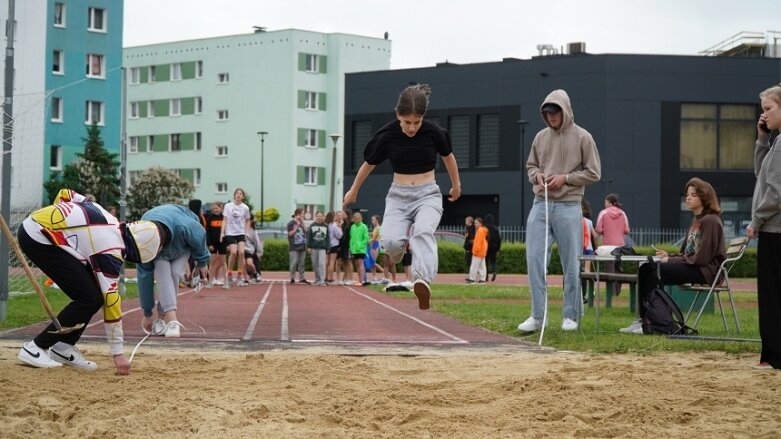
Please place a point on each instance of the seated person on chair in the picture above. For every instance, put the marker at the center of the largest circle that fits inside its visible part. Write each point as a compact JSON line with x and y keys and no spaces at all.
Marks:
{"x":702,"y":252}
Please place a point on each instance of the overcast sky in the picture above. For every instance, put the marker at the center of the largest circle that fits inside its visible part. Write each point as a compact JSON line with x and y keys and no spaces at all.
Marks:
{"x":425,"y":32}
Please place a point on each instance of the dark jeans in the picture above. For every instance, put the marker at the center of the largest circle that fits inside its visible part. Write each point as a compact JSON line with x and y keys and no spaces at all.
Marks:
{"x":490,"y":262}
{"x":74,"y":279}
{"x":769,"y":297}
{"x":672,"y":273}
{"x":468,"y":259}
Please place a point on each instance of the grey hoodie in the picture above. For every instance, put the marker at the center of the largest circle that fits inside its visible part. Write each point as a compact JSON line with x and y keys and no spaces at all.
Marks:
{"x":569,"y":150}
{"x":766,"y":204}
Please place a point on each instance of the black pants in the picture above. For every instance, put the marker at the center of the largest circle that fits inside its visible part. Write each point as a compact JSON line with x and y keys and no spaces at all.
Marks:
{"x":769,"y":297}
{"x":490,"y":262}
{"x":468,"y":259}
{"x":74,"y":279}
{"x":671,"y":273}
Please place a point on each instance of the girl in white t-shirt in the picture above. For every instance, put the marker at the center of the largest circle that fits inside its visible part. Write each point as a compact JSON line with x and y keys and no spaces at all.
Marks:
{"x":237,"y":219}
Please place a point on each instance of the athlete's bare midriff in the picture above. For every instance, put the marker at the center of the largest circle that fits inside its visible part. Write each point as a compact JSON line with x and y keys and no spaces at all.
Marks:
{"x":413,"y":179}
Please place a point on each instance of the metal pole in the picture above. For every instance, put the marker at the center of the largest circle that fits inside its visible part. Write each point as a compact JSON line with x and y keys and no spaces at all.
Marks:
{"x":335,"y":137}
{"x":262,"y":135}
{"x":523,"y":124}
{"x":8,"y":111}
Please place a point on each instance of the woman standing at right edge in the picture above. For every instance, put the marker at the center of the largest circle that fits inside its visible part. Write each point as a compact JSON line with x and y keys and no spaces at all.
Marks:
{"x":766,"y":226}
{"x":414,"y":198}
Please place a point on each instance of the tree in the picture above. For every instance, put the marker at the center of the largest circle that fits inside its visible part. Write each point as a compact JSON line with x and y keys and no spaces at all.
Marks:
{"x":95,"y":171}
{"x":157,"y":186}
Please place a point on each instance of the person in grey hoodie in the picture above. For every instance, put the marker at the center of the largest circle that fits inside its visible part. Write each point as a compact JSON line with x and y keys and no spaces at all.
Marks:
{"x":563,"y":158}
{"x":766,"y":226}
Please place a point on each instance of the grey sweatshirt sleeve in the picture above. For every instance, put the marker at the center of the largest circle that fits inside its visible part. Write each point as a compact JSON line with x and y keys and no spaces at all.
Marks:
{"x":767,"y":197}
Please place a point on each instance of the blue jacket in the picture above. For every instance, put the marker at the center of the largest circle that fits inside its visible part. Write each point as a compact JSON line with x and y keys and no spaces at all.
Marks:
{"x":187,"y":235}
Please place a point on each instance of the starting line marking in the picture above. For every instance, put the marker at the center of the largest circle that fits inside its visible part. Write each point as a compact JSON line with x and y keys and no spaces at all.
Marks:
{"x":415,"y":319}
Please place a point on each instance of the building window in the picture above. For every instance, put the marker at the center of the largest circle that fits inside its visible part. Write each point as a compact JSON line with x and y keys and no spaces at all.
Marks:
{"x":312,"y":63}
{"x":97,"y":19}
{"x":132,"y":177}
{"x":221,"y":188}
{"x":310,"y":100}
{"x":222,"y":151}
{"x":199,"y":69}
{"x":56,"y":109}
{"x":150,"y":144}
{"x":176,"y":107}
{"x":150,"y":109}
{"x":135,"y":75}
{"x":132,"y":144}
{"x":198,"y":142}
{"x":198,"y":105}
{"x":176,"y":72}
{"x":174,"y":142}
{"x":59,"y":14}
{"x":458,"y":126}
{"x":488,"y":140}
{"x":134,"y":110}
{"x":223,"y":78}
{"x":94,"y":113}
{"x":196,"y":177}
{"x":96,"y":66}
{"x":362,"y":133}
{"x":222,"y":114}
{"x":58,"y":62}
{"x":310,"y":138}
{"x":310,"y":175}
{"x":713,"y":136}
{"x":55,"y":158}
{"x":152,"y":74}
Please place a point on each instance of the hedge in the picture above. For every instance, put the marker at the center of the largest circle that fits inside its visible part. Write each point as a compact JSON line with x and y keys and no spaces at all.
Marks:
{"x":512,"y":259}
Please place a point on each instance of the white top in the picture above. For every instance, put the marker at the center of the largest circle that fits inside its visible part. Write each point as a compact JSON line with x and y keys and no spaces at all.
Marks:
{"x":236,"y":217}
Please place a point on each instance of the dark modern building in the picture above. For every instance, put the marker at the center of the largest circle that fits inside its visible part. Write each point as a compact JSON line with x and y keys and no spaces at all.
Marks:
{"x":657,"y":122}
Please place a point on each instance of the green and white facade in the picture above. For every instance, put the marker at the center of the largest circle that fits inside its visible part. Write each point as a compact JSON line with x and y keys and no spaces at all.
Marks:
{"x":197,"y":107}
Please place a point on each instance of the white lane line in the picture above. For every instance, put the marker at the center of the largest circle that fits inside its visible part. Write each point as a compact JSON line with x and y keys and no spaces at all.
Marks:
{"x":284,"y":334}
{"x":418,"y":342}
{"x":256,"y":317}
{"x":185,"y":338}
{"x":415,"y":319}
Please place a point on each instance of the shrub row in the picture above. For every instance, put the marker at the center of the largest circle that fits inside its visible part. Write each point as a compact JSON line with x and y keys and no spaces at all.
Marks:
{"x":512,"y":259}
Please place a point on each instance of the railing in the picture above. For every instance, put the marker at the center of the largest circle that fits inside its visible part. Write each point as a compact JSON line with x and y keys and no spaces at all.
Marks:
{"x":639,"y":236}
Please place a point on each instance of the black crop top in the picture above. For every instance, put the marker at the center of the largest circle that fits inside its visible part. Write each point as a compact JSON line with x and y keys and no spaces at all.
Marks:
{"x":408,"y":155}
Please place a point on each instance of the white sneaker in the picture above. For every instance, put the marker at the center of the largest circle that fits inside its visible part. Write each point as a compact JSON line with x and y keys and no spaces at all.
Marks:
{"x":172,"y":329}
{"x":71,"y":356}
{"x":158,"y":328}
{"x":635,"y":328}
{"x":34,"y":356}
{"x":218,"y":283}
{"x":530,"y":325}
{"x":569,"y":325}
{"x":242,"y":283}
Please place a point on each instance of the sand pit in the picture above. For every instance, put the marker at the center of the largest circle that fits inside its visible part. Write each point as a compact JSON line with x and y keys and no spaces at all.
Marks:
{"x":186,"y":392}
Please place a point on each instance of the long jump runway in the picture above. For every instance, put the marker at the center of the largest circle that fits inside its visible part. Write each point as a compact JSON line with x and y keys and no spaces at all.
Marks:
{"x":278,"y":314}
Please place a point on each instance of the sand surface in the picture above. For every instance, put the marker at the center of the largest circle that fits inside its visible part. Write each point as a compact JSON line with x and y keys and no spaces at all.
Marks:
{"x":178,"y":392}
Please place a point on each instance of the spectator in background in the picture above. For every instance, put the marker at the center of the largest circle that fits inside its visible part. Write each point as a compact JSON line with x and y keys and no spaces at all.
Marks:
{"x":359,"y":241}
{"x":589,"y":241}
{"x":469,"y":238}
{"x":494,"y":245}
{"x":296,"y":239}
{"x":334,"y":221}
{"x":344,"y":248}
{"x":253,"y":251}
{"x":237,"y":218}
{"x":613,"y":225}
{"x":318,"y":241}
{"x":218,"y":269}
{"x":477,"y":271}
{"x":766,"y":226}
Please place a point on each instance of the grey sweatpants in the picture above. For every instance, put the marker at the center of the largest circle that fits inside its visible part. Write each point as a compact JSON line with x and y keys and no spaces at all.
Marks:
{"x":418,"y":207}
{"x":168,"y":274}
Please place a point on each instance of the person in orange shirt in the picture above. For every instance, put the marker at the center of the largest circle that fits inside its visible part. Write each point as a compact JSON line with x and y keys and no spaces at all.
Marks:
{"x":477,"y":271}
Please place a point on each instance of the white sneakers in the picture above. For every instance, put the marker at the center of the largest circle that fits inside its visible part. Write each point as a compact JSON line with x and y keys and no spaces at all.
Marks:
{"x":172,"y":329}
{"x":58,"y":355}
{"x":635,"y":328}
{"x":531,"y":324}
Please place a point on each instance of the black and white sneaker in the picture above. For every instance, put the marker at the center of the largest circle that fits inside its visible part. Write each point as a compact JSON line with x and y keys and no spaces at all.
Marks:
{"x":70,"y":356}
{"x":34,"y":356}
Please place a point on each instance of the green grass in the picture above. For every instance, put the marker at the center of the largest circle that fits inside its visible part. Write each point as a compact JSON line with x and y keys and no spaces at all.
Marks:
{"x":501,"y":308}
{"x":27,"y":310}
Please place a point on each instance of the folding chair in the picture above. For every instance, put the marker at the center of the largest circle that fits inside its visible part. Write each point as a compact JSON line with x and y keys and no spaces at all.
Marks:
{"x":735,"y":250}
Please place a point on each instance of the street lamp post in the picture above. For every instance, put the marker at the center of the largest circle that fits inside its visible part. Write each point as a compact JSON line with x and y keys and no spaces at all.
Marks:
{"x":262,"y":135}
{"x":335,"y":137}
{"x":523,"y":124}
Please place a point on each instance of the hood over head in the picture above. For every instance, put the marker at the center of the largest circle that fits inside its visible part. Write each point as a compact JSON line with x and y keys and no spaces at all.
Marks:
{"x":558,"y":98}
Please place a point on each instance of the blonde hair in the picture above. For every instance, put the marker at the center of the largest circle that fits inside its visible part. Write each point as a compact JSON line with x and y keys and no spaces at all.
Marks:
{"x":773,"y":93}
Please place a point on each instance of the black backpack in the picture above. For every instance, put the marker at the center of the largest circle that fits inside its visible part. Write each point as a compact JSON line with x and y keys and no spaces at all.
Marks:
{"x":662,"y":315}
